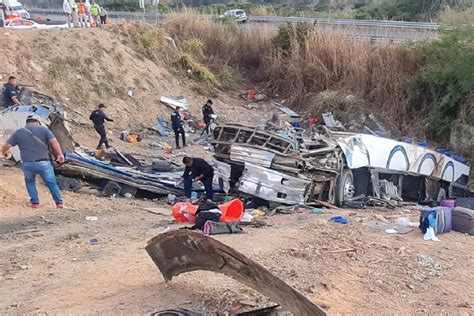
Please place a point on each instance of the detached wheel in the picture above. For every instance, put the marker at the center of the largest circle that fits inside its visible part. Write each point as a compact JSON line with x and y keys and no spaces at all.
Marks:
{"x":345,"y":187}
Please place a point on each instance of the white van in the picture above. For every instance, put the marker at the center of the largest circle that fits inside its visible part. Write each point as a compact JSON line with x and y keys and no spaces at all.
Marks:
{"x":15,"y":8}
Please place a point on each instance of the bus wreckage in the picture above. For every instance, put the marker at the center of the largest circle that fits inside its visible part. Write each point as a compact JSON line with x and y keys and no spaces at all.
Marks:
{"x":288,"y":166}
{"x":277,"y":163}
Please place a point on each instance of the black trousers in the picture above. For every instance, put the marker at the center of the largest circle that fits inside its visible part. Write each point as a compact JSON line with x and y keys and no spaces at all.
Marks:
{"x":176,"y":136}
{"x":103,"y":136}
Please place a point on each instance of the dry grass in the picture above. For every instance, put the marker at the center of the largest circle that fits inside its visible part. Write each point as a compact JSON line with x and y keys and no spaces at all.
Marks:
{"x":459,"y":16}
{"x":378,"y":75}
{"x":215,"y":52}
{"x":224,"y":45}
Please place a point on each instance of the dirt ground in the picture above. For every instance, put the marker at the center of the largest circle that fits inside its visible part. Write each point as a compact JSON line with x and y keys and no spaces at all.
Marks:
{"x":48,"y":264}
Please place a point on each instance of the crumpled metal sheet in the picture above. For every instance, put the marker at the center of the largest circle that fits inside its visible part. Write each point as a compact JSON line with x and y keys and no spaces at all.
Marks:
{"x":183,"y":251}
{"x":222,"y":173}
{"x":174,"y":102}
{"x":251,"y":155}
{"x":272,"y":185}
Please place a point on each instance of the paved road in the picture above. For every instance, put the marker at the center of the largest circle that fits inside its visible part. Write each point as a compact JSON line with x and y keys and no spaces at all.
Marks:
{"x":374,"y":31}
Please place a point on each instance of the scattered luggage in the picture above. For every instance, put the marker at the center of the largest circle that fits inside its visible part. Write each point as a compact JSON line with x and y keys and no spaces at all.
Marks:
{"x":443,"y":217}
{"x":463,"y":220}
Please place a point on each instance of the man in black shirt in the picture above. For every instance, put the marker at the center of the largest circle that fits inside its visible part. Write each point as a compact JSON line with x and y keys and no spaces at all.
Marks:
{"x":98,"y":117}
{"x":177,"y":126}
{"x":197,"y":169}
{"x":10,"y":97}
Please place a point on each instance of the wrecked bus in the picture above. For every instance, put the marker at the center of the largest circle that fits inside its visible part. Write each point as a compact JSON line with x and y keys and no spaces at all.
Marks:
{"x":288,"y":167}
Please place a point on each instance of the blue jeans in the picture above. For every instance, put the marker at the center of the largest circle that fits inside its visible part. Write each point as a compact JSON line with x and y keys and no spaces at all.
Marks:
{"x":46,"y":172}
{"x":188,"y":186}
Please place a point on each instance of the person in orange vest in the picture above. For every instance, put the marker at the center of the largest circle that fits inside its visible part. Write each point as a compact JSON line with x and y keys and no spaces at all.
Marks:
{"x":81,"y":7}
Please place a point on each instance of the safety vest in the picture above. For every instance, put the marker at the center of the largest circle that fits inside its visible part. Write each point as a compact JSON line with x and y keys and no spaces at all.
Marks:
{"x":95,"y":10}
{"x":82,"y":8}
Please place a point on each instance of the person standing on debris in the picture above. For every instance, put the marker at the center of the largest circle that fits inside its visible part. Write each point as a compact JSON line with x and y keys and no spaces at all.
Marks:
{"x":197,"y":169}
{"x":95,"y":12}
{"x":207,"y":113}
{"x":10,"y":97}
{"x":177,"y":125}
{"x":98,"y":117}
{"x":34,"y":141}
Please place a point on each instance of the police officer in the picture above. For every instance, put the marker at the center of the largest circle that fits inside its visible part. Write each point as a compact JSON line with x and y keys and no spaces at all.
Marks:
{"x":10,"y":97}
{"x":177,"y":125}
{"x":98,"y":117}
{"x":207,"y":113}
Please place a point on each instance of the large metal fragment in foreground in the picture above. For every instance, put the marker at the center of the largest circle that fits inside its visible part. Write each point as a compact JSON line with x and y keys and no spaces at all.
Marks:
{"x":182,"y":251}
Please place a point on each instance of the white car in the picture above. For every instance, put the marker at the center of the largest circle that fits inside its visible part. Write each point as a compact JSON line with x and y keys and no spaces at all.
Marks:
{"x":18,"y":8}
{"x":20,"y":24}
{"x":238,"y":14}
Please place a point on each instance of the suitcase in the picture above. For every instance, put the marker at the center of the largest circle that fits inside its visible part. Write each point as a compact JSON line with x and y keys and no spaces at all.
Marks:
{"x":443,"y":217}
{"x":463,"y":220}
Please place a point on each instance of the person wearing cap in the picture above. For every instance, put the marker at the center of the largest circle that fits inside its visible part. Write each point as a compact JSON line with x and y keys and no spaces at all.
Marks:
{"x":98,"y":117}
{"x":207,"y":113}
{"x":10,"y":96}
{"x":177,"y":125}
{"x":34,"y":141}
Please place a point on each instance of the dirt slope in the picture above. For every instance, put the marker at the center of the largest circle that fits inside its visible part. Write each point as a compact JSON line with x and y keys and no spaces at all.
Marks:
{"x":83,"y":67}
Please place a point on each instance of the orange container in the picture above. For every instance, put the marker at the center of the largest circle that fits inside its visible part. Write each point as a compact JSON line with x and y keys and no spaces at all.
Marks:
{"x":184,"y":212}
{"x":232,"y":211}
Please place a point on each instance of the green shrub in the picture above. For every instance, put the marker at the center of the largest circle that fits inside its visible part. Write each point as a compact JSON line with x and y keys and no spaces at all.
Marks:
{"x":194,"y":45}
{"x":445,"y":87}
{"x":197,"y":70}
{"x":290,"y":32}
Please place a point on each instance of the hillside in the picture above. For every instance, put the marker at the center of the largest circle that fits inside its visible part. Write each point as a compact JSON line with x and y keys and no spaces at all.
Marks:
{"x":83,"y":67}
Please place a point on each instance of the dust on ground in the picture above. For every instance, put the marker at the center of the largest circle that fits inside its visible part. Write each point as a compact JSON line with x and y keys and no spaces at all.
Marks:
{"x":49,"y":265}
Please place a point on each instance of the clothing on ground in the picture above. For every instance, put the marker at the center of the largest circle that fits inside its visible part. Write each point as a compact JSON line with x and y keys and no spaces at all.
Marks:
{"x":45,"y":170}
{"x":31,"y":149}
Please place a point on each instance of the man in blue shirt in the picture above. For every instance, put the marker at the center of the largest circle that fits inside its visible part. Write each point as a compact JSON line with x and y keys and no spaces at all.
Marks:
{"x":33,"y":141}
{"x":10,"y":97}
{"x":98,"y":117}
